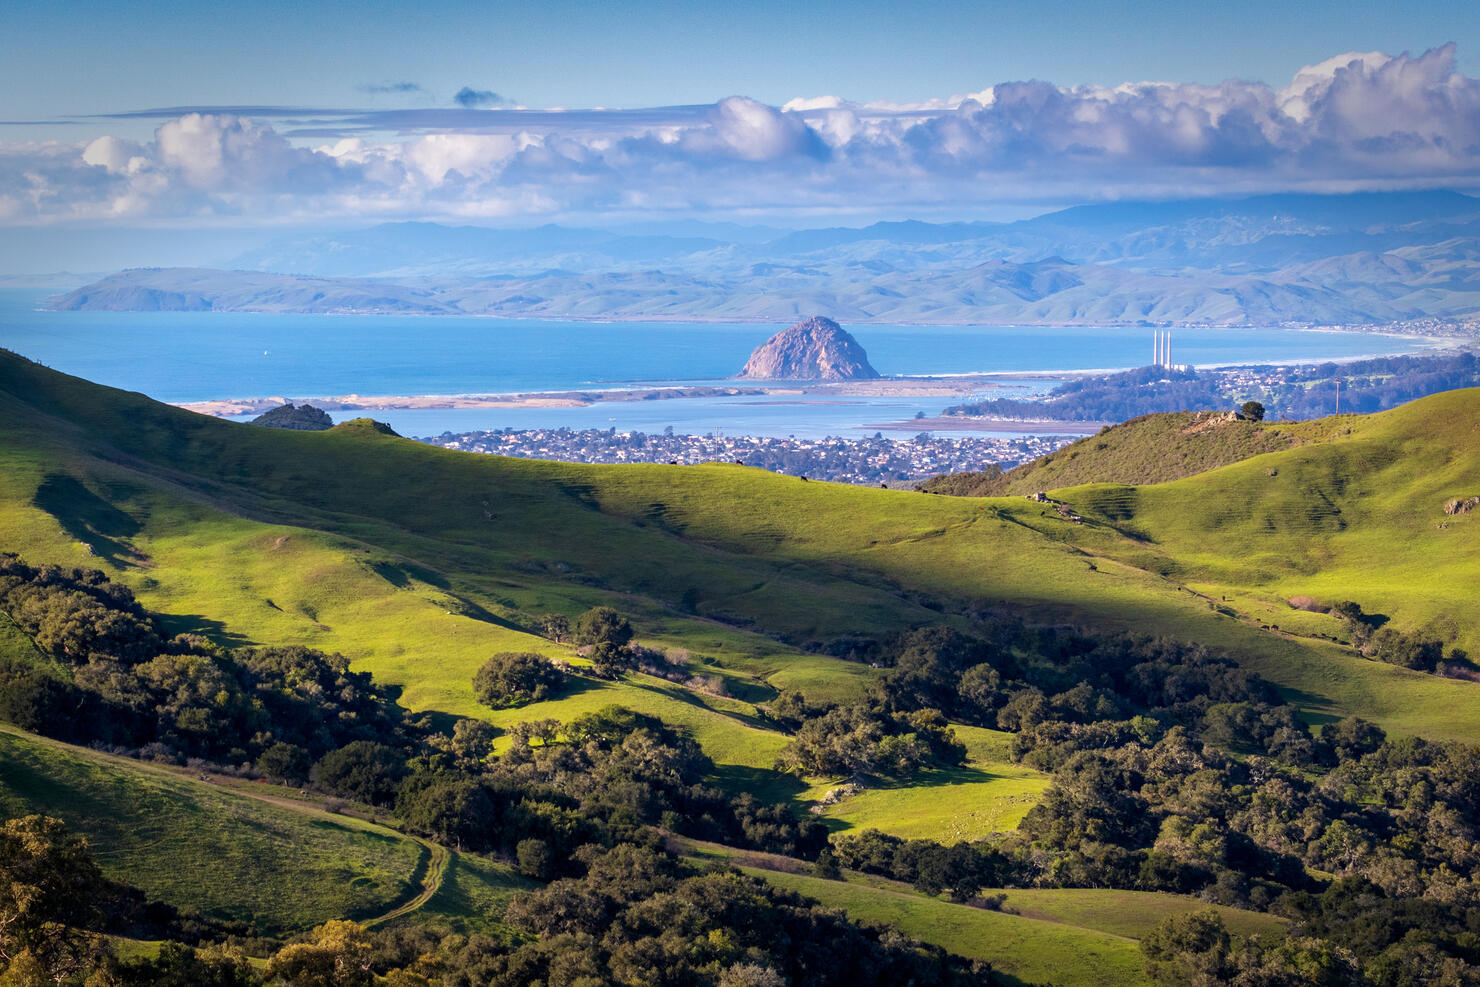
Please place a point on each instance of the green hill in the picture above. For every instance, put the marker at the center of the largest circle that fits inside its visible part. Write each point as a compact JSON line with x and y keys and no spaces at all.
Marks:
{"x":417,"y":562}
{"x":244,"y":851}
{"x":198,"y":845}
{"x":1149,"y":449}
{"x":1059,"y":936}
{"x":1054,"y":937}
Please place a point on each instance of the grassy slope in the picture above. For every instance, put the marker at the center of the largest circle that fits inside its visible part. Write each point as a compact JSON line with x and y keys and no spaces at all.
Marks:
{"x":1065,"y":937}
{"x":16,"y":645}
{"x":384,"y":537}
{"x":472,"y":898}
{"x":1357,"y":518}
{"x":385,"y":550}
{"x":1148,"y":449}
{"x":990,"y":794}
{"x":1127,"y":913}
{"x":1031,"y":950}
{"x":1060,"y":936}
{"x":197,"y":845}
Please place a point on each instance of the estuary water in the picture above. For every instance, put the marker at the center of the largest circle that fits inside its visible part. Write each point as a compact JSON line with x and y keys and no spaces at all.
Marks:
{"x":189,"y":356}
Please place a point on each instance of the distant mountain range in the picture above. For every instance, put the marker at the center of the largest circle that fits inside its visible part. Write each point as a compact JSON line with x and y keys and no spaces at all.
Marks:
{"x":1369,"y":258}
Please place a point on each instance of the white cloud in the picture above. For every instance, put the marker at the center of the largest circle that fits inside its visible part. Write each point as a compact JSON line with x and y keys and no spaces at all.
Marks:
{"x":470,"y":155}
{"x":1354,"y":121}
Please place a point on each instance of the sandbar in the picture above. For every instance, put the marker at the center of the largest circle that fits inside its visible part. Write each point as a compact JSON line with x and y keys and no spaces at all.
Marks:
{"x":945,"y":387}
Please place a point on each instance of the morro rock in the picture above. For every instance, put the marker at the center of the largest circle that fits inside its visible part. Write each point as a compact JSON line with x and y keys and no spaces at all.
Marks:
{"x":817,"y":349}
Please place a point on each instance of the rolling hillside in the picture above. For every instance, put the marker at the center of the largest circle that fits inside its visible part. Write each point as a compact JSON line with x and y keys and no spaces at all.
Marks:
{"x":197,"y":845}
{"x":416,"y":562}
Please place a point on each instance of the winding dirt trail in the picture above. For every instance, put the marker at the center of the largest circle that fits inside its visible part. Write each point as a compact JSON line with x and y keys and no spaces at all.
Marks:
{"x":437,"y":860}
{"x":431,"y":883}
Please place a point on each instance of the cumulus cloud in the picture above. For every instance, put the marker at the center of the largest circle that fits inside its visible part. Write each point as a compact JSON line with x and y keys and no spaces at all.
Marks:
{"x":474,"y":99}
{"x":1360,"y":120}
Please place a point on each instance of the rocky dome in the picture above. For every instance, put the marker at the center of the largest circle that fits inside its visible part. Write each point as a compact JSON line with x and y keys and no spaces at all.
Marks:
{"x":817,"y":349}
{"x":304,"y":418}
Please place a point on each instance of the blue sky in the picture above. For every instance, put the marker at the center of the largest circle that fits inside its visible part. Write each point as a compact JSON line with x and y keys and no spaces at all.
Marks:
{"x":65,"y":58}
{"x":272,"y":115}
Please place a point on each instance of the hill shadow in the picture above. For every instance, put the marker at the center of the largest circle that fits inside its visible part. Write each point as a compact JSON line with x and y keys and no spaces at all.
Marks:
{"x":467,"y":608}
{"x":1314,"y":708}
{"x":764,"y":784}
{"x":401,"y":574}
{"x":88,"y":518}
{"x":207,"y":627}
{"x":695,"y":699}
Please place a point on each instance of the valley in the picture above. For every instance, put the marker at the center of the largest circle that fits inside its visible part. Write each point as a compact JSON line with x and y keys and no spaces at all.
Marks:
{"x":743,"y":587}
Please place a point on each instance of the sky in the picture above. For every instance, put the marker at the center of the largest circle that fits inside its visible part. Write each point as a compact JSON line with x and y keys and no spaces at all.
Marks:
{"x":121,"y":116}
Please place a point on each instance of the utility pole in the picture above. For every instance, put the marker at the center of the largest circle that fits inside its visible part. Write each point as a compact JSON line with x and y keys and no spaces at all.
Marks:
{"x":1338,"y":395}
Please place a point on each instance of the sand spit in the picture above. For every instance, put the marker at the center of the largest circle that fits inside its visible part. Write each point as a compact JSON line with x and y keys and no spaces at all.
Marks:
{"x":884,"y":387}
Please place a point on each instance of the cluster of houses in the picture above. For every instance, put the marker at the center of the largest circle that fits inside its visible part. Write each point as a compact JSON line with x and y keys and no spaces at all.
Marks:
{"x":870,"y":461}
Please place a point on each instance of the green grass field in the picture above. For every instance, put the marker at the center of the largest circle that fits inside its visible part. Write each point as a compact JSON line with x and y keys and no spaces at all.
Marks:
{"x":1030,"y":950}
{"x":16,"y":645}
{"x":989,"y":794}
{"x":418,"y":562}
{"x":471,"y":898}
{"x":1147,"y":449}
{"x":197,"y":845}
{"x":1060,"y":936}
{"x":1128,"y":913}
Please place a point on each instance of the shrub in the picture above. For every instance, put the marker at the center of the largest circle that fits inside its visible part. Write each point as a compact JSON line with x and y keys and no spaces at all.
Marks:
{"x":363,"y":770}
{"x":602,"y":625}
{"x":513,"y":678}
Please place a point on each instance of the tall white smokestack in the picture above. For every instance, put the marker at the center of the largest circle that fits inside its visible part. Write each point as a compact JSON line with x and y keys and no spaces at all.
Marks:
{"x":1169,"y":348}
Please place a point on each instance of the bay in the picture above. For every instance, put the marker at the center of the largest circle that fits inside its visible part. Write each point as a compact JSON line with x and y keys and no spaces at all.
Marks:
{"x":189,"y":356}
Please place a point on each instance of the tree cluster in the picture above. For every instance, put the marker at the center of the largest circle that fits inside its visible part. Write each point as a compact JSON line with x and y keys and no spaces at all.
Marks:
{"x":117,"y":681}
{"x":1375,"y":640}
{"x":1174,"y":770}
{"x":862,"y":739}
{"x":600,"y":778}
{"x":628,"y":914}
{"x":1371,"y":385}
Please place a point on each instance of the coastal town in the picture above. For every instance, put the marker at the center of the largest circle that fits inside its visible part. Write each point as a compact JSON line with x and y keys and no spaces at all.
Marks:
{"x":869,"y":461}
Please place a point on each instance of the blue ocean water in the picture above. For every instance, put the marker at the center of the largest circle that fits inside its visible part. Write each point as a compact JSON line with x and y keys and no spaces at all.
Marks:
{"x":186,"y":356}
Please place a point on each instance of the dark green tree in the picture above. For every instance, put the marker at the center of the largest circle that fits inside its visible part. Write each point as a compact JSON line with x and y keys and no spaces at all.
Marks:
{"x":609,"y":660}
{"x":286,"y":761}
{"x":555,"y":626}
{"x":362,"y":770}
{"x":603,"y":625}
{"x":535,"y":859}
{"x":513,"y":678}
{"x":1253,"y":411}
{"x":1189,"y":949}
{"x":826,"y":866}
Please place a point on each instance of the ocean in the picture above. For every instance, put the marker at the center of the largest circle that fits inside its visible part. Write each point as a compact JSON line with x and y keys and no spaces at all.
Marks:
{"x":188,"y":356}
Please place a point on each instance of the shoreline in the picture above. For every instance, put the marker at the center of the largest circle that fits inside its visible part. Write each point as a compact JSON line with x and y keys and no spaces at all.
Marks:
{"x":904,"y":385}
{"x":1017,"y":426}
{"x":945,"y":387}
